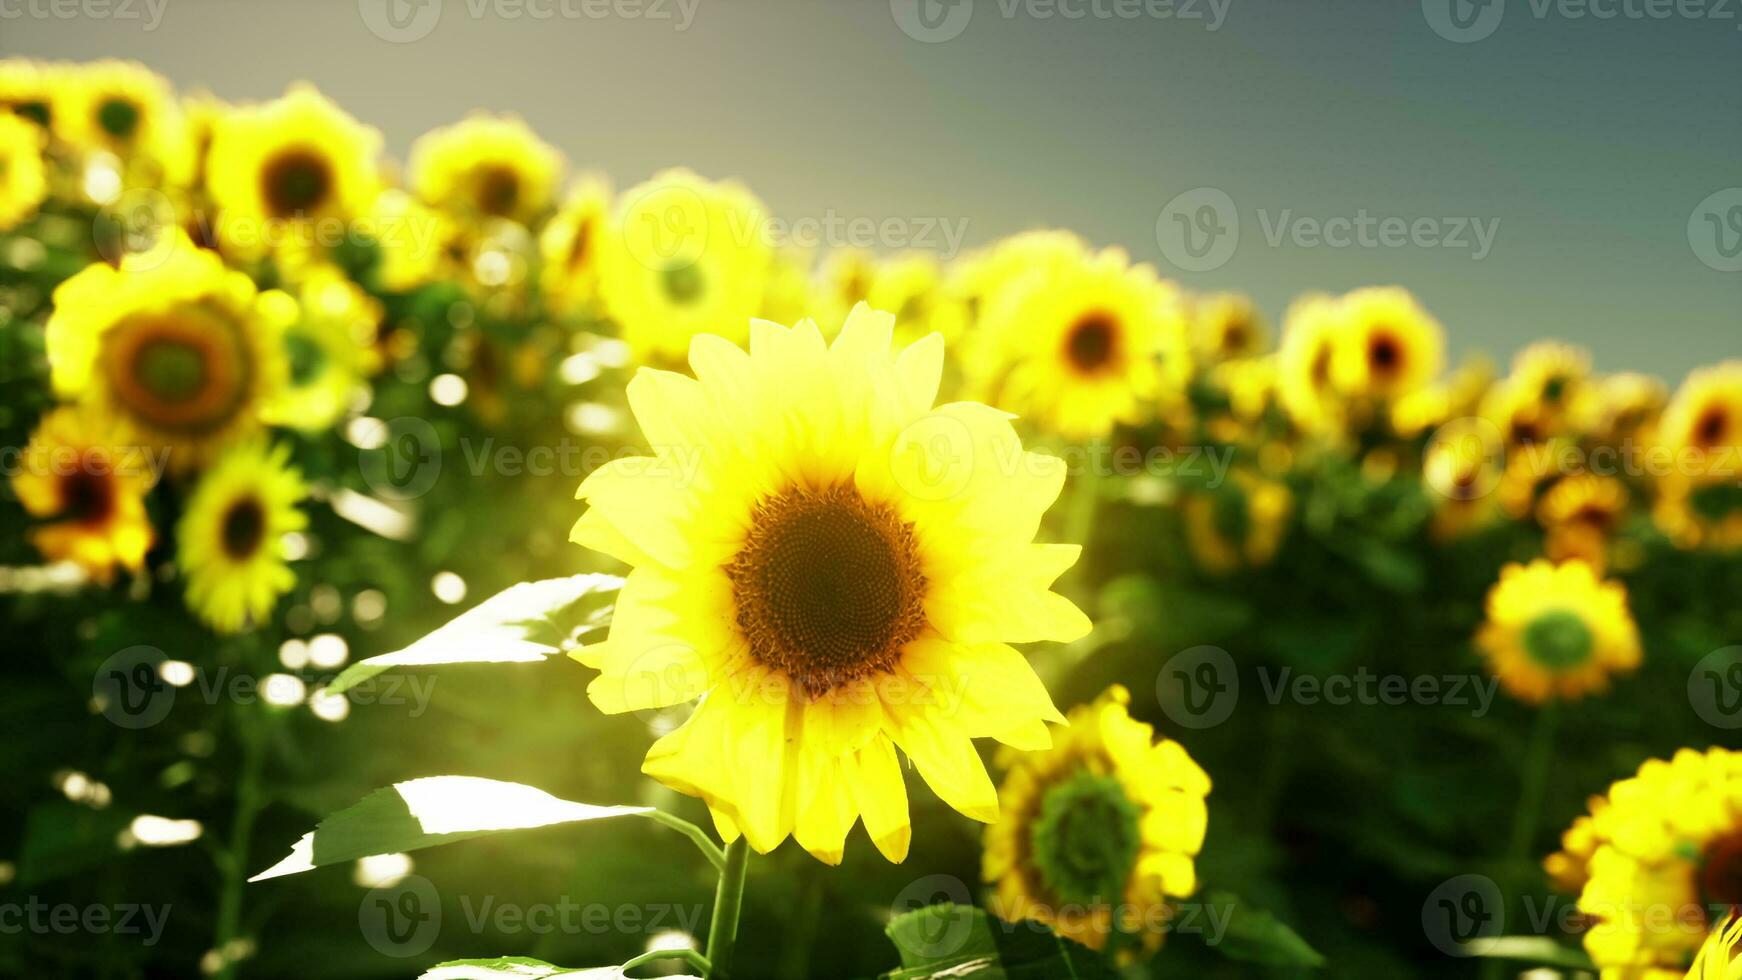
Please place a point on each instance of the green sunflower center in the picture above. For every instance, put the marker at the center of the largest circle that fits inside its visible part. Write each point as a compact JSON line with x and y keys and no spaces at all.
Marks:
{"x":1558,"y":640}
{"x":1716,"y":501}
{"x":36,"y":112}
{"x":1086,"y":838}
{"x":306,"y":358}
{"x":1554,"y":389}
{"x":827,"y":587}
{"x":295,"y":182}
{"x":1721,"y":873}
{"x":684,"y":283}
{"x":171,"y":371}
{"x":1092,"y":343}
{"x":243,"y":528}
{"x":118,"y":117}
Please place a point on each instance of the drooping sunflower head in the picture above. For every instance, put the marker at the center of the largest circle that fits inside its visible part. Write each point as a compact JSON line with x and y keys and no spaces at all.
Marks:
{"x":289,"y":172}
{"x":570,"y":243}
{"x":486,"y":167}
{"x":173,"y":348}
{"x":1386,"y":345}
{"x":23,"y":180}
{"x":836,"y":568}
{"x":328,"y":346}
{"x":230,"y":541}
{"x":1581,"y":514}
{"x":1240,"y":524}
{"x":1304,"y":364}
{"x":1085,"y":342}
{"x":1557,"y":631}
{"x":1104,"y":824}
{"x":92,"y":491}
{"x":1665,"y":861}
{"x":1227,"y":326}
{"x":124,"y":109}
{"x":1702,"y":425}
{"x":684,"y":256}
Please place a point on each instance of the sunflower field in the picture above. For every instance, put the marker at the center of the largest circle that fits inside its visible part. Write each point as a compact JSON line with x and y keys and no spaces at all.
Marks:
{"x":467,"y":566}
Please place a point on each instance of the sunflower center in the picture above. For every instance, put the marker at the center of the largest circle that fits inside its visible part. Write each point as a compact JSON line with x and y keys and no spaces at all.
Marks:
{"x":1558,"y":640}
{"x":827,"y":587}
{"x":118,"y":117}
{"x":1721,"y":873}
{"x":1384,"y":354}
{"x":296,"y":181}
{"x":683,"y":283}
{"x":1709,"y":430}
{"x":170,"y":371}
{"x":37,"y":111}
{"x":1086,"y":838}
{"x":498,"y":191}
{"x":87,"y":497}
{"x":243,"y":529}
{"x":1092,"y":343}
{"x":1554,"y":389}
{"x":306,"y":358}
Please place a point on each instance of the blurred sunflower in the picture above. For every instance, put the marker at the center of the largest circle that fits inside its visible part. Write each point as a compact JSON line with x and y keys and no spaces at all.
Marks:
{"x":684,"y":256}
{"x":569,"y":246}
{"x":1305,"y":384}
{"x":1386,"y":345}
{"x":1462,"y":465}
{"x":172,"y":348}
{"x":1557,"y":631}
{"x":1702,"y":426}
{"x":127,"y":110}
{"x":1084,"y":342}
{"x":286,"y":175}
{"x":328,"y":346}
{"x":1226,"y":326}
{"x":27,"y":89}
{"x":843,"y":282}
{"x":416,"y":244}
{"x":1002,"y":267}
{"x":1107,"y":822}
{"x":22,"y":182}
{"x":230,"y":541}
{"x":1238,"y":525}
{"x":1456,"y":396}
{"x":910,"y":285}
{"x":70,"y":471}
{"x":1622,"y":408}
{"x":837,"y":569}
{"x":1551,"y":378}
{"x":1721,"y":957}
{"x":1581,"y":515}
{"x":1665,"y":864}
{"x":788,"y":297}
{"x":485,"y":167}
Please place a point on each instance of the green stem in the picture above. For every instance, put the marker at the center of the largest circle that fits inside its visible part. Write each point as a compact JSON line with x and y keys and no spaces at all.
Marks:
{"x":697,"y":836}
{"x":1085,"y":495}
{"x":728,"y":899}
{"x":235,"y":864}
{"x":1528,"y":816}
{"x":690,"y":956}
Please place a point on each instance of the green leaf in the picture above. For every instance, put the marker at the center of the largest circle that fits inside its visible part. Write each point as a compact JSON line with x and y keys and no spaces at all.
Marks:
{"x":942,"y":933}
{"x":960,"y":942}
{"x":1540,"y":950}
{"x":524,"y":624}
{"x":434,"y":810}
{"x":1240,"y":932}
{"x":515,"y":968}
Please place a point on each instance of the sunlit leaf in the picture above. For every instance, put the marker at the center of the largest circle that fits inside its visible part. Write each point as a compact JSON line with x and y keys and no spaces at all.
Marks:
{"x":515,"y":968}
{"x":1540,"y":950}
{"x":960,"y":942}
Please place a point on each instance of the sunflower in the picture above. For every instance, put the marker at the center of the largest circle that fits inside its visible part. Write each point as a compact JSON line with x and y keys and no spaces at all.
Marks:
{"x":328,"y":346}
{"x":1106,"y":819}
{"x":1581,"y":514}
{"x":1226,"y":326}
{"x":1457,"y":396}
{"x":569,"y":246}
{"x":71,"y":471}
{"x":1239,"y":525}
{"x":1665,"y":862}
{"x":685,"y":256}
{"x":1621,"y":409}
{"x":1308,"y":348}
{"x":416,"y":244}
{"x":1557,"y":631}
{"x":22,"y":182}
{"x":230,"y":540}
{"x":910,"y":285}
{"x":27,"y":89}
{"x":484,"y":168}
{"x":843,"y":282}
{"x":1462,"y":466}
{"x":290,"y":173}
{"x":789,"y":295}
{"x":127,"y":110}
{"x":1699,"y":515}
{"x":175,"y":349}
{"x":1083,"y":342}
{"x":1550,"y":379}
{"x":1702,"y":426}
{"x":1386,"y":346}
{"x":1721,"y":957}
{"x":836,"y":569}
{"x":1004,"y":266}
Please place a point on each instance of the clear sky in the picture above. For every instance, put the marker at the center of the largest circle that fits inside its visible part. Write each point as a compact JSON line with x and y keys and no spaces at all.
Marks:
{"x":1528,"y":167}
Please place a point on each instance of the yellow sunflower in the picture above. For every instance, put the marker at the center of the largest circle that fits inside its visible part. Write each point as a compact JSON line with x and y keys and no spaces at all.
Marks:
{"x":328,"y":347}
{"x":1622,"y":408}
{"x":289,"y":174}
{"x":174,"y":348}
{"x":485,"y":167}
{"x":1084,"y":342}
{"x":789,"y":296}
{"x":417,"y":244}
{"x":1702,"y":426}
{"x":230,"y":541}
{"x":1457,"y":396}
{"x":1107,"y":822}
{"x":1386,"y":345}
{"x":1462,"y":466}
{"x":570,"y":244}
{"x":1665,"y":862}
{"x":1721,"y":957}
{"x":1557,"y":631}
{"x":837,"y":569}
{"x":1305,"y":384}
{"x":22,"y":182}
{"x":27,"y":89}
{"x":1226,"y":326}
{"x":1581,"y":515}
{"x":1551,"y":378}
{"x":910,"y":285}
{"x":843,"y":282}
{"x":124,"y":109}
{"x":1239,"y":525}
{"x":685,"y":256}
{"x":96,"y":491}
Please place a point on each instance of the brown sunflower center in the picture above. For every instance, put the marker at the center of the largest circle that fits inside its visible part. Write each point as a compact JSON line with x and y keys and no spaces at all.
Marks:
{"x":186,"y":369}
{"x":581,"y":249}
{"x":498,"y":191}
{"x":1093,"y":343}
{"x":1384,"y":354}
{"x":243,"y":528}
{"x":827,"y":587}
{"x":1711,"y":428}
{"x":1721,"y":873}
{"x":87,"y":497}
{"x":296,"y":182}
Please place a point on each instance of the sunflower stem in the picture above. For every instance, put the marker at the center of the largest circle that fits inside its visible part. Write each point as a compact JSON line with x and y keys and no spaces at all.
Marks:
{"x":697,"y":836}
{"x":690,"y":956}
{"x":253,"y":736}
{"x":1528,"y":817}
{"x":1085,"y":496}
{"x":728,"y":900}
